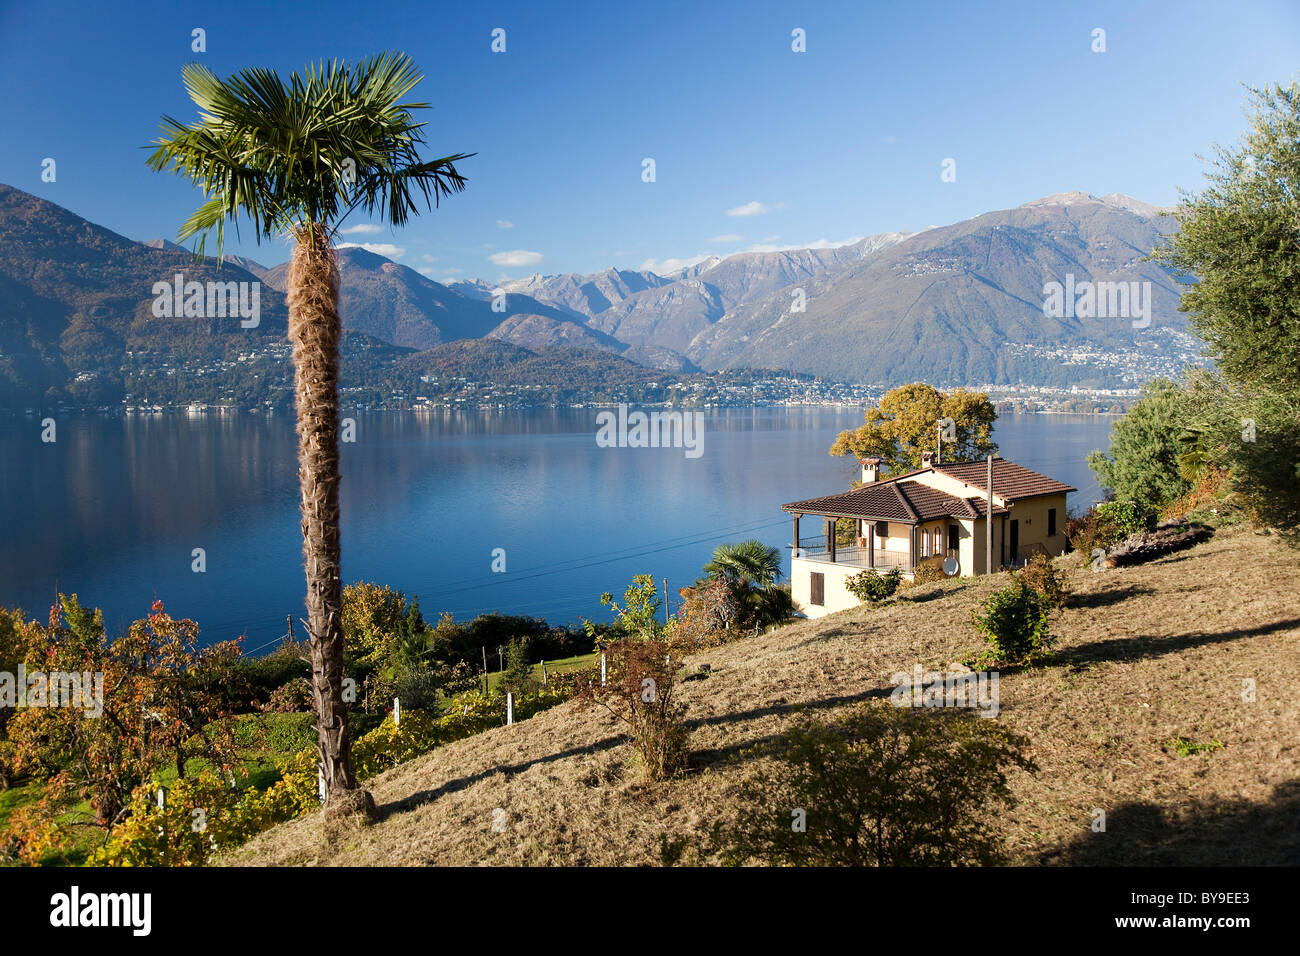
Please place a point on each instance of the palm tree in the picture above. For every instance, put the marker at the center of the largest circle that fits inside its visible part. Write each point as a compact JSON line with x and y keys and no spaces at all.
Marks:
{"x":296,"y":158}
{"x":749,"y":562}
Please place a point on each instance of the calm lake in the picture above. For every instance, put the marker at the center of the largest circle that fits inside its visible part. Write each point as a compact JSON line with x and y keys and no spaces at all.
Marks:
{"x":114,"y":508}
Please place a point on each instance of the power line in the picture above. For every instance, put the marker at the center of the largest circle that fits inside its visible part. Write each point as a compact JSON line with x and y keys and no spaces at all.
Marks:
{"x":572,"y":564}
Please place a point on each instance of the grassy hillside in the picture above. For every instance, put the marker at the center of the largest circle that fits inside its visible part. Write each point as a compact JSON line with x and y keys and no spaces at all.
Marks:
{"x":1147,"y":656}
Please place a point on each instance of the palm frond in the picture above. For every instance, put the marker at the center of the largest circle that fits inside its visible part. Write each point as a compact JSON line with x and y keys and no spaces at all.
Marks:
{"x":280,"y":153}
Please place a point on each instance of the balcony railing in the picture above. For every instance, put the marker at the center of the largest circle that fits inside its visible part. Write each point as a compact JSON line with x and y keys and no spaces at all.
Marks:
{"x":814,"y":549}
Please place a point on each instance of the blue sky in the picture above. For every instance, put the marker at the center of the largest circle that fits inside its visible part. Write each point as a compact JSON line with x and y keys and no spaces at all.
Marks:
{"x":841,"y":141}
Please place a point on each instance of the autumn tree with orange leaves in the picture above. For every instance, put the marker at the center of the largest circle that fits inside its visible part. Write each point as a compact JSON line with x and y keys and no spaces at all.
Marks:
{"x":164,"y":701}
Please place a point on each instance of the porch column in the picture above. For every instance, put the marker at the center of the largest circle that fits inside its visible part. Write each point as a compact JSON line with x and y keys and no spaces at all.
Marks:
{"x":794,"y":553}
{"x":871,"y":544}
{"x":911,"y":548}
{"x":830,"y":538}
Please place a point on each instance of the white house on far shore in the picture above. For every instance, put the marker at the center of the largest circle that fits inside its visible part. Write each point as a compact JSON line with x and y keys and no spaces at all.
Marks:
{"x":936,"y":514}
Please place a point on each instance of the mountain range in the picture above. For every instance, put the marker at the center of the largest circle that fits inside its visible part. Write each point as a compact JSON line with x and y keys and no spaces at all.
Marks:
{"x":956,"y":304}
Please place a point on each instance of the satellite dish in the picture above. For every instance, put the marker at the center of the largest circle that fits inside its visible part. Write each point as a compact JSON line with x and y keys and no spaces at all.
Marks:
{"x":950,"y":566}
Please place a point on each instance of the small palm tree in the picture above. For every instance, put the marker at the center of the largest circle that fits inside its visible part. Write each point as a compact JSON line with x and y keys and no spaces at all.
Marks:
{"x":749,"y":562}
{"x":296,"y":158}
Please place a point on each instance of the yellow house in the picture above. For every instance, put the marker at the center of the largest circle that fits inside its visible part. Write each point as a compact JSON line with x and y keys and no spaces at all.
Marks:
{"x":937,"y":512}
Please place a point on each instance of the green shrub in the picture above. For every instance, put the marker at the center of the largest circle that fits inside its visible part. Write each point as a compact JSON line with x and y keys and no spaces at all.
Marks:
{"x":1014,"y":624}
{"x":882,"y":786}
{"x":291,"y":698}
{"x":1041,"y":575}
{"x":1116,"y":520}
{"x":770,"y":605}
{"x":1107,"y":524}
{"x":871,"y":587}
{"x":277,"y":732}
{"x":204,"y":814}
{"x":153,"y":836}
{"x":518,"y":674}
{"x":283,"y":665}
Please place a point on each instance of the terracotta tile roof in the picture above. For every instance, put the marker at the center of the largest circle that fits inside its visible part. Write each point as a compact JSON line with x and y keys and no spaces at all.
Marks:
{"x":879,"y":501}
{"x":904,"y":501}
{"x":902,"y":498}
{"x":1010,"y":481}
{"x":930,"y":503}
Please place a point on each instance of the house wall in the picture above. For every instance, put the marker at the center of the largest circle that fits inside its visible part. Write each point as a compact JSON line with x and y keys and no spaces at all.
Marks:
{"x":973,"y":551}
{"x":1032,"y":515}
{"x":898,"y":539}
{"x":931,"y":527}
{"x":836,"y":594}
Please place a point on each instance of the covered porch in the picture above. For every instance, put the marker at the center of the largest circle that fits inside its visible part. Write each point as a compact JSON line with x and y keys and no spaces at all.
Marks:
{"x":882,"y":545}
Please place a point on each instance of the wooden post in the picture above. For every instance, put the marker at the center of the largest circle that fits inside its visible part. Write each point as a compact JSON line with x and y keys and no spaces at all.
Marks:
{"x":510,"y":708}
{"x":871,"y":545}
{"x":162,"y":797}
{"x":543,"y":673}
{"x":796,"y":535}
{"x":602,"y":668}
{"x":485,"y":682}
{"x":320,"y":784}
{"x":665,"y":600}
{"x":830,"y":538}
{"x":988,"y":544}
{"x":397,"y":712}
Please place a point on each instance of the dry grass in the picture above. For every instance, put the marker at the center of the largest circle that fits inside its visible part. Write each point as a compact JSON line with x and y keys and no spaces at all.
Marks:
{"x":1146,"y":655}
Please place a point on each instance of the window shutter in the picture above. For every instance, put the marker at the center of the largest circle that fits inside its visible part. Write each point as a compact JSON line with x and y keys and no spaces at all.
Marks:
{"x":817,"y":597}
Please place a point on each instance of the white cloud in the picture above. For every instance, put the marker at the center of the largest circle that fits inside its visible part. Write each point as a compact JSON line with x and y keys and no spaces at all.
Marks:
{"x":428,"y":258}
{"x":505,"y":224}
{"x":816,"y":244}
{"x":665,"y":266}
{"x":516,"y":258}
{"x":727,"y":238}
{"x":386,"y":249}
{"x":362,"y":229}
{"x":752,"y":209}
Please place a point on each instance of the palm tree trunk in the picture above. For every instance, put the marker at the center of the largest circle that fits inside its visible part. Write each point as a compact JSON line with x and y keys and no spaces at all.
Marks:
{"x":315,"y":331}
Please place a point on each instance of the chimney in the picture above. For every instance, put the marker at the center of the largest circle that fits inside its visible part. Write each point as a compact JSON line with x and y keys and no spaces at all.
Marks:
{"x":870,"y":470}
{"x":927,"y":459}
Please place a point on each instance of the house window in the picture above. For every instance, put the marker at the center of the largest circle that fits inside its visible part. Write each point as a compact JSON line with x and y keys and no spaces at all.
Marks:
{"x":954,"y":535}
{"x":1051,"y":522}
{"x":817,"y":589}
{"x":882,"y":530}
{"x":925,"y":543}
